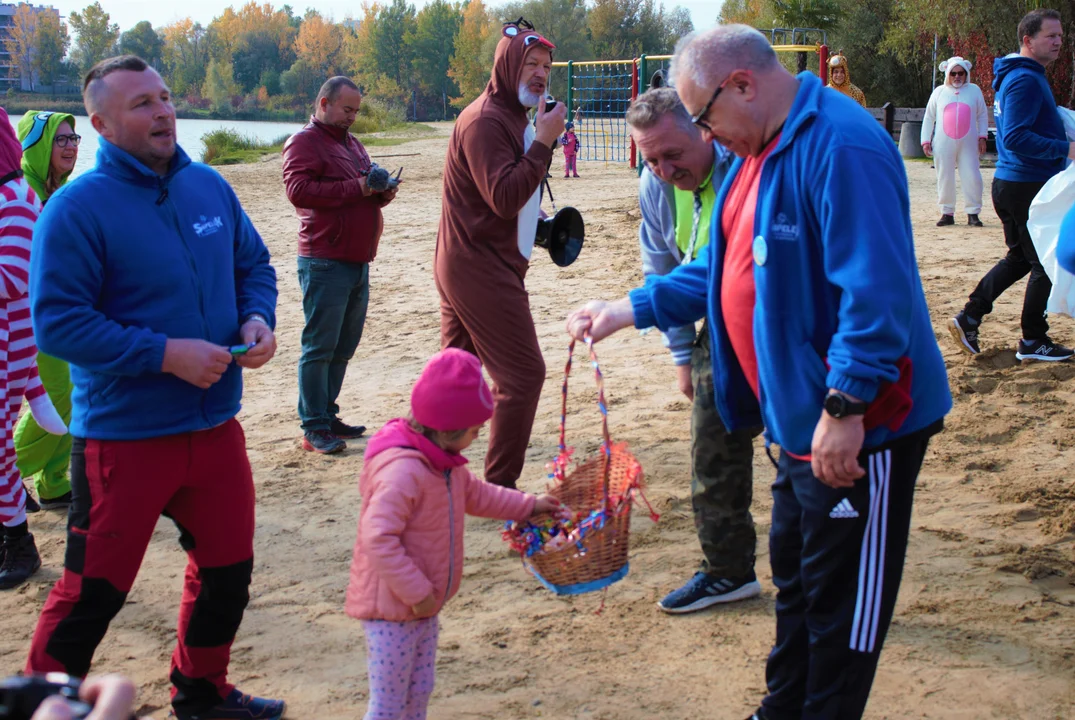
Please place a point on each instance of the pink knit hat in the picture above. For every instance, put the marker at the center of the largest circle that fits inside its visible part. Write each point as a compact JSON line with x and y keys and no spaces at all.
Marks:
{"x":451,"y":393}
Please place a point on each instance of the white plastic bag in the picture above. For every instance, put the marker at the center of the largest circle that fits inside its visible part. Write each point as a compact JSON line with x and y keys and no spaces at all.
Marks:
{"x":1068,"y":116}
{"x":1047,"y":211}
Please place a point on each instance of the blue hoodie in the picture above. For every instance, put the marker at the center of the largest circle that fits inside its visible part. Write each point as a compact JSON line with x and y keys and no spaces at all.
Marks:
{"x":123,"y":260}
{"x":1031,"y":143}
{"x":835,"y":278}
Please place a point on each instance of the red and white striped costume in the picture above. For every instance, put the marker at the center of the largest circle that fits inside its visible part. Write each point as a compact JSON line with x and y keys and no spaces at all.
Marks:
{"x":19,"y":208}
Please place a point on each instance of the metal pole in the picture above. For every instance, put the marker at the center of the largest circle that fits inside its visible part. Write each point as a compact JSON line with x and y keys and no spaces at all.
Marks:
{"x":933,"y":70}
{"x":571,"y":88}
{"x":636,"y":82}
{"x":823,"y":64}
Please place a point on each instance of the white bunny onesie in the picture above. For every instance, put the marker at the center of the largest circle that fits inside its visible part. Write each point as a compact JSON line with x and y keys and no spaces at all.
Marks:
{"x":959,"y":116}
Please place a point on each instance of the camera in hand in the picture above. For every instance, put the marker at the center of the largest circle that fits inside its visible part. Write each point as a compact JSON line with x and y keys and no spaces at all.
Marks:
{"x":20,"y":695}
{"x":379,"y":180}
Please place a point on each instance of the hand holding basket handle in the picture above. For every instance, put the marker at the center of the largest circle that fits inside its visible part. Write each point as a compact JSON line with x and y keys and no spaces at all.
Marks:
{"x":598,"y":319}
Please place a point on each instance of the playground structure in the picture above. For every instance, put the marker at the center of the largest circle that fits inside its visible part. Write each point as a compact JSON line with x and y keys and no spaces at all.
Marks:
{"x":600,"y":91}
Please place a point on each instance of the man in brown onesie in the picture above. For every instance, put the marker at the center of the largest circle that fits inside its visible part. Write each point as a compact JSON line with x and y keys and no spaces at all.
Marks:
{"x":489,"y":212}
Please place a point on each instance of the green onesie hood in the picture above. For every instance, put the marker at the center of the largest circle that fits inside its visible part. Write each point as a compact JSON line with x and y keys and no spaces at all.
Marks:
{"x":37,"y":131}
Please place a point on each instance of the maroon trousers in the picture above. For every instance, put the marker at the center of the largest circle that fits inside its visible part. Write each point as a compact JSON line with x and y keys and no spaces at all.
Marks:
{"x":203,"y":482}
{"x":487,"y":312}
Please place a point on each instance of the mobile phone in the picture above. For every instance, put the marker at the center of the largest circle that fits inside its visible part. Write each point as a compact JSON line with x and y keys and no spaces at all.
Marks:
{"x":237,"y":350}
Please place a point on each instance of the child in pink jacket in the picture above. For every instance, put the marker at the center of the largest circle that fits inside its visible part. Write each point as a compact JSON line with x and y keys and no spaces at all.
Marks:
{"x":408,"y":558}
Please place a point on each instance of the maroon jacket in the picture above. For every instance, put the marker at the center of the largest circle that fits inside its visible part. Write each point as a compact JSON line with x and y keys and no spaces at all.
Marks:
{"x":322,"y":167}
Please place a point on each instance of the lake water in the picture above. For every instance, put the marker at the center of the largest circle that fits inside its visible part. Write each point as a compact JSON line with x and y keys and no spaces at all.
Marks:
{"x":188,"y":133}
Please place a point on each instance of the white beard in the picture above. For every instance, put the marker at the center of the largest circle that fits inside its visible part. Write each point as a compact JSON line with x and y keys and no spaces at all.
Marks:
{"x":956,"y":84}
{"x":527,"y":98}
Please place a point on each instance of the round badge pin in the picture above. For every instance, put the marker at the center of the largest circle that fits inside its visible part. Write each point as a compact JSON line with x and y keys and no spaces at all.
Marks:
{"x":761,"y":250}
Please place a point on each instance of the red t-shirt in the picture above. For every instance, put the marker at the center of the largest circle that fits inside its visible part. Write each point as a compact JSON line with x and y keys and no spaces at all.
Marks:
{"x":737,"y":279}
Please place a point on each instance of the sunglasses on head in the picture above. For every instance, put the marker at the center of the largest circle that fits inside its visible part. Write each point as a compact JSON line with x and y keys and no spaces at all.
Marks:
{"x":512,"y":29}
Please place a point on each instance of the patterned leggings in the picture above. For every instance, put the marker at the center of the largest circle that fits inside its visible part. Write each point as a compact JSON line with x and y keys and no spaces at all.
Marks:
{"x":401,"y":659}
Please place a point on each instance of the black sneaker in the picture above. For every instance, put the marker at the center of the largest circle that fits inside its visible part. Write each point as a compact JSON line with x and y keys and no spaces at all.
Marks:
{"x":1045,"y":350}
{"x":322,"y":441}
{"x":21,"y":560}
{"x":57,"y":503}
{"x":965,"y":332}
{"x":702,"y":590}
{"x":946,"y":220}
{"x":348,"y":432}
{"x":239,"y":706}
{"x":31,"y":504}
{"x":973,"y":221}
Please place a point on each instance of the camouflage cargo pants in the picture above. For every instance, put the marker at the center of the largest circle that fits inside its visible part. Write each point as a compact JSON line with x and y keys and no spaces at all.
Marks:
{"x":721,"y":477}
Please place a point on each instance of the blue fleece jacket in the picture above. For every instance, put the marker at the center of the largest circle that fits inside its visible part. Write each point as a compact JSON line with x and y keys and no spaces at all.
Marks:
{"x":125,"y":259}
{"x":1031,"y":143}
{"x":835,"y":277}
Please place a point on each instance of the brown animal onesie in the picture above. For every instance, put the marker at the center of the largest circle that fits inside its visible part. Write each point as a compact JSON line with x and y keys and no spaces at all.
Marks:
{"x":488,"y":221}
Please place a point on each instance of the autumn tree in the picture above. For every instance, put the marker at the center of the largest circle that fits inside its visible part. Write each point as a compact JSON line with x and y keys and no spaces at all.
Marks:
{"x":627,"y":28}
{"x":185,"y":55}
{"x":142,"y":40}
{"x":318,"y":44}
{"x":21,"y":42}
{"x":357,"y":53}
{"x":220,"y":85}
{"x":257,"y":52}
{"x":819,"y":14}
{"x":563,"y":22}
{"x":432,"y":43}
{"x":50,"y":48}
{"x":391,"y":53}
{"x":253,"y":17}
{"x":96,"y":36}
{"x":466,"y":67}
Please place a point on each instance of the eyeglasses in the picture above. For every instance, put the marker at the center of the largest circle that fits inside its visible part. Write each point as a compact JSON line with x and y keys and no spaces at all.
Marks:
{"x":961,"y":73}
{"x":64,"y":140}
{"x":699,"y":119}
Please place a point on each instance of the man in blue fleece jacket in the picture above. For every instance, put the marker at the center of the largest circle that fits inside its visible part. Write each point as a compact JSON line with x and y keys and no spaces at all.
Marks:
{"x":148,"y":277}
{"x":819,"y":328}
{"x":1031,"y":147}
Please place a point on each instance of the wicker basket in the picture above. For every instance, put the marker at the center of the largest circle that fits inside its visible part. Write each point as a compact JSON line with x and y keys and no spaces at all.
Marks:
{"x":606,"y":482}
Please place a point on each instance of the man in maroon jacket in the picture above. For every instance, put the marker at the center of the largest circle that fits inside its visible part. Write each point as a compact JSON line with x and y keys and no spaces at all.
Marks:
{"x":325,"y":170}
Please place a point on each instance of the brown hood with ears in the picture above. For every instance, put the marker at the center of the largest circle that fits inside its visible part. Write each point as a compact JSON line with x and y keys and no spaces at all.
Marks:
{"x":508,"y":62}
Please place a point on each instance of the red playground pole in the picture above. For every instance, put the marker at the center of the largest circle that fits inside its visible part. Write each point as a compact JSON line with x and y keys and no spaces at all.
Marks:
{"x":823,"y":67}
{"x":634,"y":94}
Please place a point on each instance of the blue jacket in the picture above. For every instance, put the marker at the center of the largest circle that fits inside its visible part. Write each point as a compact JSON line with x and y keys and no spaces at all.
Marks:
{"x":1031,"y":143}
{"x":835,"y":278}
{"x":123,"y":260}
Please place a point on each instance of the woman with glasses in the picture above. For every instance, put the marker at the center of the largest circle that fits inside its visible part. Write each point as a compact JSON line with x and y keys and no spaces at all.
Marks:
{"x":954,"y":130}
{"x":50,"y":150}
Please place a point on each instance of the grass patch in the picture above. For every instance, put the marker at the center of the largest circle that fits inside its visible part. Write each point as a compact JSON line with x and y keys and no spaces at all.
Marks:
{"x":228,"y":147}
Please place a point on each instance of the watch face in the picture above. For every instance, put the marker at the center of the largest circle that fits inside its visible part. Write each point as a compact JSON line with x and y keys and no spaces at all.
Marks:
{"x":836,"y":405}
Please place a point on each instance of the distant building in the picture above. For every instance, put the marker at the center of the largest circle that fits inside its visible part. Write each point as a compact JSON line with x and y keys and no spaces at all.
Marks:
{"x":8,"y":77}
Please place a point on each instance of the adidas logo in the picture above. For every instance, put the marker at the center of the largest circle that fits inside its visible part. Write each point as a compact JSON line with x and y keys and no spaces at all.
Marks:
{"x":843,"y":510}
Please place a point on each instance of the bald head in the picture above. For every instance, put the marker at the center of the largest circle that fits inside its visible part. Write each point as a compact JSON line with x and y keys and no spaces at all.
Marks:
{"x":708,"y":57}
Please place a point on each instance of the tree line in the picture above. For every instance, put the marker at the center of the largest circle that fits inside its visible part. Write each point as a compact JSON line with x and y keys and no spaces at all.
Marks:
{"x":890,"y":43}
{"x":427,"y":63}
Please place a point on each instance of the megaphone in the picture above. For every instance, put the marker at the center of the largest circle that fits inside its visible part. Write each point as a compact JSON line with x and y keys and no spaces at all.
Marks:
{"x":562,"y":235}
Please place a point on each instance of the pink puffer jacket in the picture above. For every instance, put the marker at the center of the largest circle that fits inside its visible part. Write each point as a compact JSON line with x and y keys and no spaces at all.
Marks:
{"x":410,"y":529}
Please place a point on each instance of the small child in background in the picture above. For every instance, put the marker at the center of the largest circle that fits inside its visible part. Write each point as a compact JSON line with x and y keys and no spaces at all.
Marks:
{"x":571,"y":144}
{"x":408,"y":558}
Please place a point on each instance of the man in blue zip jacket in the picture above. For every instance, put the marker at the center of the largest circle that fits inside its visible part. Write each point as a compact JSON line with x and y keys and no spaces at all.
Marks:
{"x":819,"y":329}
{"x":1031,"y":147}
{"x":148,"y":277}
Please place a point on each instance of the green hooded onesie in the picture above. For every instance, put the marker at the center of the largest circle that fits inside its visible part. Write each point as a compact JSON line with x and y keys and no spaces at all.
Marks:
{"x":41,"y":456}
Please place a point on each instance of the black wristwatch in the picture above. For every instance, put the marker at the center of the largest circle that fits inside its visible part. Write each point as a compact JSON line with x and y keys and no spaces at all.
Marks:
{"x":840,"y":407}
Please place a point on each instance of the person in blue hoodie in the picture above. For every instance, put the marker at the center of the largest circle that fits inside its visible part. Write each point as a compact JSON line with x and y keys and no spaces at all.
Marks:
{"x":151,"y":281}
{"x":823,"y":337}
{"x":1031,"y":147}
